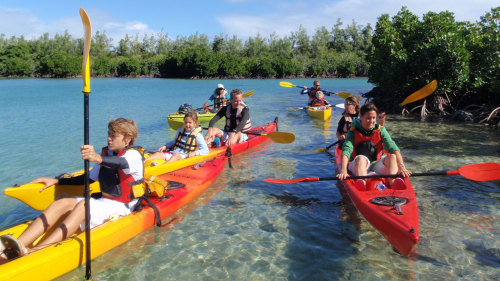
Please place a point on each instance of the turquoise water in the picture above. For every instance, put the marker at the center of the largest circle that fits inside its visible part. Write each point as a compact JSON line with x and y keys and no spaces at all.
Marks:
{"x":243,"y":228}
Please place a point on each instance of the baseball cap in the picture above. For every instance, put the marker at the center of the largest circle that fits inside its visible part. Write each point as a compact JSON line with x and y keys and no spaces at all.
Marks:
{"x":220,"y":86}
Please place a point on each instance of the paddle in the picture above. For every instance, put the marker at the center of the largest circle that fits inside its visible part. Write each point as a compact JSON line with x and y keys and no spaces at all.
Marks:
{"x":422,"y":93}
{"x":86,"y":91}
{"x":326,"y":148}
{"x":476,"y":172}
{"x":343,"y":95}
{"x":279,"y":137}
{"x":246,"y":95}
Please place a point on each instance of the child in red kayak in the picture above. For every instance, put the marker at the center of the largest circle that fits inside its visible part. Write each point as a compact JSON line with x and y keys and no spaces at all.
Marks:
{"x":188,"y":142}
{"x":364,"y":145}
{"x":117,"y":169}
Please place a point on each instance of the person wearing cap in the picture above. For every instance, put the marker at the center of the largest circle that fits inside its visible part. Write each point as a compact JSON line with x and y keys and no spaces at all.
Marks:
{"x":218,"y":99}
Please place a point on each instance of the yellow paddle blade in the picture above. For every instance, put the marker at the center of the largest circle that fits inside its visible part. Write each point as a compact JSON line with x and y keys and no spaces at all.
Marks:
{"x":86,"y":51}
{"x":281,"y":137}
{"x":246,"y":95}
{"x":344,"y":95}
{"x":422,"y":93}
{"x":320,"y":150}
{"x":287,"y":84}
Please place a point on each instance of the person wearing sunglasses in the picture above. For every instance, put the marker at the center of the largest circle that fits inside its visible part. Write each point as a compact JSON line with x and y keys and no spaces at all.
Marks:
{"x":312,"y":91}
{"x":351,"y":111}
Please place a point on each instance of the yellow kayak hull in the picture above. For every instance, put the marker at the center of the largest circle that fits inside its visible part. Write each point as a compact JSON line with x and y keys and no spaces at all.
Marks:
{"x":60,"y":258}
{"x":319,"y":112}
{"x":30,"y":193}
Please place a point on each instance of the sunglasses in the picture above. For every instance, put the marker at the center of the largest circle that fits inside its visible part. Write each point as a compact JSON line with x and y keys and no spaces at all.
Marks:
{"x":349,"y":103}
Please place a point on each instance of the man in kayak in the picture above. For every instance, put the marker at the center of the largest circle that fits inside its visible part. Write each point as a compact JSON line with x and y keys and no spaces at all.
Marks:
{"x":364,"y":144}
{"x":311,"y":92}
{"x":218,"y":99}
{"x":237,"y":117}
{"x":118,"y":169}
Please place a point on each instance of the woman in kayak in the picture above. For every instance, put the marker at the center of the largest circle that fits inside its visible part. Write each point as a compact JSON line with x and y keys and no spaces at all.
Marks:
{"x":351,"y":111}
{"x":117,"y":169}
{"x":364,"y":144}
{"x":218,"y":99}
{"x":188,"y":142}
{"x":237,"y":121}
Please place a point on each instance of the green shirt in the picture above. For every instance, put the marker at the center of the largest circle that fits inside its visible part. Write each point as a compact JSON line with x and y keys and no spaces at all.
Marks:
{"x":387,"y":141}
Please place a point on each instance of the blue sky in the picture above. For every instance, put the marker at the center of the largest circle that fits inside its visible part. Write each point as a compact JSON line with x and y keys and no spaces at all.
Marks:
{"x":212,"y":17}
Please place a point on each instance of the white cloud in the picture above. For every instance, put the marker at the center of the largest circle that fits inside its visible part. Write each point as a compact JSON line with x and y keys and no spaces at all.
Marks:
{"x":17,"y":22}
{"x":290,"y":15}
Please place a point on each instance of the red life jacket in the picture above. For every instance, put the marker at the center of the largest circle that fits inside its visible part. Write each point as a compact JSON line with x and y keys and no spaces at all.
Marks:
{"x":115,"y":184}
{"x":371,"y":146}
{"x":318,"y":102}
{"x":236,"y":118}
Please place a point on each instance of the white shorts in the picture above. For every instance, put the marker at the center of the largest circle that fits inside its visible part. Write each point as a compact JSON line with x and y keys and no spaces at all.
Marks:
{"x":243,"y":138}
{"x":103,"y":209}
{"x":168,"y":155}
{"x":377,"y":167}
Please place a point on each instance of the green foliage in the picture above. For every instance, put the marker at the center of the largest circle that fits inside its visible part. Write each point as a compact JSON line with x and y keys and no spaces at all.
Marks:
{"x":408,"y":53}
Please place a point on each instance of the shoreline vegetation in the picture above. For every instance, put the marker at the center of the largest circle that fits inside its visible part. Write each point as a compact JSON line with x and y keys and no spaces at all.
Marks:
{"x":399,"y":56}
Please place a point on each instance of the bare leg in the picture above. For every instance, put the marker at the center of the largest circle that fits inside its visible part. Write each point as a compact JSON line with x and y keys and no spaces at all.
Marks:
{"x":390,"y":162}
{"x":68,"y":227}
{"x":156,"y":155}
{"x":47,"y":219}
{"x":174,"y":157}
{"x":360,"y":166}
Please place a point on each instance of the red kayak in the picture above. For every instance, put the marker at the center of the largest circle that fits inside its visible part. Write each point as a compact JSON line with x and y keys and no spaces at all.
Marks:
{"x":393,"y":212}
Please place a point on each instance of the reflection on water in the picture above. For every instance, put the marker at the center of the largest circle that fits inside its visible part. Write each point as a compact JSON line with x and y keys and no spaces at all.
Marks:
{"x":243,"y":228}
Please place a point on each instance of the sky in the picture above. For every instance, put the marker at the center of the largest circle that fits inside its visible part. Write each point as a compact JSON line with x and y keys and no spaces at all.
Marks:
{"x":243,"y":18}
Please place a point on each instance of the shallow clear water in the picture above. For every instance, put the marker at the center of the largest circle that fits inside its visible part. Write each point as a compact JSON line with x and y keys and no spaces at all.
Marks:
{"x":243,"y":228}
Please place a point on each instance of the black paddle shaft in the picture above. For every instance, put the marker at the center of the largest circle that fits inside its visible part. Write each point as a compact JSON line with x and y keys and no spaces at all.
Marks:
{"x":88,"y":267}
{"x":442,"y":173}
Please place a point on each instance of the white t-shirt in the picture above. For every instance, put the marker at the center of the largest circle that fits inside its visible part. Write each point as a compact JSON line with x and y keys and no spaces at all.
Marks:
{"x":135,"y":166}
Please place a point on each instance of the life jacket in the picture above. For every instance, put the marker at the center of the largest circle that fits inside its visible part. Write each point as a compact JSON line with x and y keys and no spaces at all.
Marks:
{"x":318,"y":102}
{"x":312,"y":94}
{"x":347,"y":122}
{"x":219,"y":99}
{"x":236,"y":118}
{"x":187,"y":141}
{"x":370,"y":146}
{"x":117,"y":185}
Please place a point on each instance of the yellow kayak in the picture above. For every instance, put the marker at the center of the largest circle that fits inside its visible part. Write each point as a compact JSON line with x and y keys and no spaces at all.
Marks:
{"x":176,"y":119}
{"x":60,"y":258}
{"x":319,"y":112}
{"x":30,"y":193}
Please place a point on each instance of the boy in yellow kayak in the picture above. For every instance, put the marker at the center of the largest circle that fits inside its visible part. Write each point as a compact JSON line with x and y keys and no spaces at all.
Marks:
{"x":118,"y":168}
